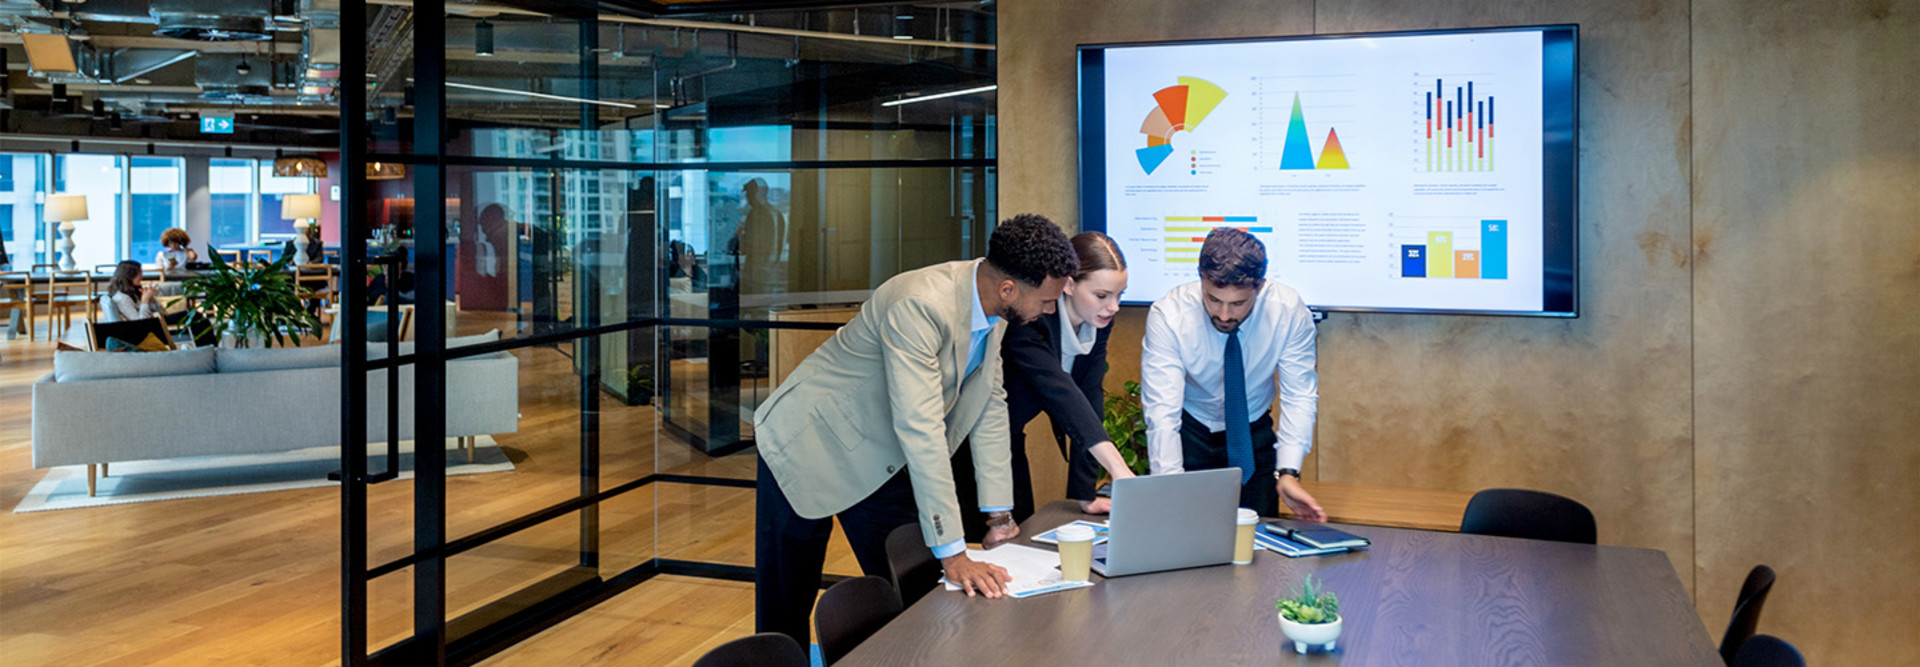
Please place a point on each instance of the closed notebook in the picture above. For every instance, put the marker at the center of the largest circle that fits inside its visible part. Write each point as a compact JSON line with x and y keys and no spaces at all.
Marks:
{"x":1290,"y":548}
{"x":1319,"y":536}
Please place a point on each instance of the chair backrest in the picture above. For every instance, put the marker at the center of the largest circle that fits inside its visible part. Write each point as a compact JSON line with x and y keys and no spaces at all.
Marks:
{"x":1746,"y":611}
{"x":767,"y":649}
{"x":13,"y":279}
{"x":850,"y":612}
{"x":915,"y":571}
{"x":1767,"y":651}
{"x":64,"y":281}
{"x":129,"y":332}
{"x":228,"y":256}
{"x":1534,"y":515}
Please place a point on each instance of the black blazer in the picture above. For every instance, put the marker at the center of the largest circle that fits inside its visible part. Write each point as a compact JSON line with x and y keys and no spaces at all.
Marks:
{"x":1074,"y":401}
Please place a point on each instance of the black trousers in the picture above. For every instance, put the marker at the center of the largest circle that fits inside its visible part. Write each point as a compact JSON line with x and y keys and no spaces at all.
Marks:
{"x":790,"y":550}
{"x":1204,"y":449}
{"x":972,"y":521}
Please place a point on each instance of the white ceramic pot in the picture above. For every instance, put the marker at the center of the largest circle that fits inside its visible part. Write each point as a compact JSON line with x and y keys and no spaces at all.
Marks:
{"x":1305,"y":635}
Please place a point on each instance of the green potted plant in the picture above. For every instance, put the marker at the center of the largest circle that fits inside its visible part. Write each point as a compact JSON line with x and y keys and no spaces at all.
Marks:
{"x":249,"y":301}
{"x":1126,"y":424}
{"x":1311,"y":617}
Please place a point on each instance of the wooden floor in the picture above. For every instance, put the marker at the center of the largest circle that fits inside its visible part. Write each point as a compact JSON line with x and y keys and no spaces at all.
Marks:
{"x":254,"y":579}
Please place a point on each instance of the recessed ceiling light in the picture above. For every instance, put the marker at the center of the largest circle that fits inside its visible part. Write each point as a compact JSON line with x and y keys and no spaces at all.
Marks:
{"x":142,"y":80}
{"x":903,"y":36}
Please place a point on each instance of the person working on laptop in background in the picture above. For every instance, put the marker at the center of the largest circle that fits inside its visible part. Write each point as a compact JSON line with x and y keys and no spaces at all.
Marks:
{"x":865,"y":427}
{"x":1212,"y":353}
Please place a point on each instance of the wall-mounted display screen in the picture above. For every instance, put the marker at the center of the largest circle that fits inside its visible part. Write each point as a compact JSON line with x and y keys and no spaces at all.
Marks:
{"x":1400,"y":172}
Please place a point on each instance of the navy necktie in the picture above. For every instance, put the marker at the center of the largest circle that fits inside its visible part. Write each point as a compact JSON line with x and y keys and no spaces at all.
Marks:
{"x":1239,"y":434}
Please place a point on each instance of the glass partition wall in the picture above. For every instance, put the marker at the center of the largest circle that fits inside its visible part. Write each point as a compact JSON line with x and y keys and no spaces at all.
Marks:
{"x":636,"y":222}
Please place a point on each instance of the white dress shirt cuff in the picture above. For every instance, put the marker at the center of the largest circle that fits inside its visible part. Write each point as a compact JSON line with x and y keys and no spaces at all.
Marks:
{"x":950,"y":549}
{"x":1289,"y":456}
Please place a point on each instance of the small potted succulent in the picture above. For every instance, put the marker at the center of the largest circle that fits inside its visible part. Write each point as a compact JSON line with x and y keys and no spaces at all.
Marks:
{"x":1311,"y":618}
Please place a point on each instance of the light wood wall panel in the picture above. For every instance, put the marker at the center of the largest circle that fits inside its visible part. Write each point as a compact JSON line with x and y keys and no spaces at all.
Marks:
{"x":1807,"y":342}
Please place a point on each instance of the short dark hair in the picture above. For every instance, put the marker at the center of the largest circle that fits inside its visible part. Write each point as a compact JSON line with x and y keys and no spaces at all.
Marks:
{"x":1233,"y":258}
{"x":1031,"y":249}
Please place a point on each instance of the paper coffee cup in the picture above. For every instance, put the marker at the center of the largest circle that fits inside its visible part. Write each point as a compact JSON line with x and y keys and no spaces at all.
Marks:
{"x":1076,"y":552}
{"x":1243,"y":536}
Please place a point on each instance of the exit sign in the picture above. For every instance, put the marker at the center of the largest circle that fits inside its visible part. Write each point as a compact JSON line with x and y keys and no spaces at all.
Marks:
{"x":216,"y":124}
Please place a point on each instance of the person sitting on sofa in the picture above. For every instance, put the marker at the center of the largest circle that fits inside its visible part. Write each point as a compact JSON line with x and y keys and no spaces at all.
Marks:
{"x":127,"y":299}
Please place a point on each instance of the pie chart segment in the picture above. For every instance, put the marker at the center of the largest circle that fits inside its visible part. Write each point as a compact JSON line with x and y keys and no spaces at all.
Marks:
{"x":1173,"y":102}
{"x":1202,"y":97}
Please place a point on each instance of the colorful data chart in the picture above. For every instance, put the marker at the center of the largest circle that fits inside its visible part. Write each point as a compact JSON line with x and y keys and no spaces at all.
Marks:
{"x":1440,"y":257}
{"x":1185,"y":234}
{"x":1177,"y":108}
{"x":1458,"y":130}
{"x":1298,"y":154}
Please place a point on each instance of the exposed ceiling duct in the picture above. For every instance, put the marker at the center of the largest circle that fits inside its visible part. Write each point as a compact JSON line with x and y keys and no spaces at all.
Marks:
{"x":226,"y":76}
{"x":213,"y":20}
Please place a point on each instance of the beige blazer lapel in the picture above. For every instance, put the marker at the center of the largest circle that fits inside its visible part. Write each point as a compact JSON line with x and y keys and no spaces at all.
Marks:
{"x":960,"y":319}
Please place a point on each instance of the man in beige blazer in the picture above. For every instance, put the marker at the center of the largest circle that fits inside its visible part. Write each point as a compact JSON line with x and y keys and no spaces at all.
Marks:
{"x":864,"y":428}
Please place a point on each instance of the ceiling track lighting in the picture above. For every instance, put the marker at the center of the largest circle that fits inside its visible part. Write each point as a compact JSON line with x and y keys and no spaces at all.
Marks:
{"x":483,"y":38}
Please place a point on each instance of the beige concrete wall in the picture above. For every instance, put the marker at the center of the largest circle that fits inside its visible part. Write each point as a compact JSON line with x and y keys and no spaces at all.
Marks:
{"x":1756,"y":396}
{"x":1806,"y":234}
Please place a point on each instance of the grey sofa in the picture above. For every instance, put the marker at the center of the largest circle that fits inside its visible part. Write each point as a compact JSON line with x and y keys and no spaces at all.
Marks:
{"x":103,"y":407}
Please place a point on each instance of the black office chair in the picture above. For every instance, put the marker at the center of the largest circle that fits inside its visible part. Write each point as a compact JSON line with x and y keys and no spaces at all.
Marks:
{"x":1746,"y":611}
{"x":850,"y":612}
{"x":1534,"y":515}
{"x":915,"y":571}
{"x":1768,"y":651}
{"x":767,"y":649}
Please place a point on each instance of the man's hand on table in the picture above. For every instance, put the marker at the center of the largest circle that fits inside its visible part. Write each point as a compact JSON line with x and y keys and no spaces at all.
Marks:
{"x":974,"y":576}
{"x":1298,"y":500}
{"x":1097,"y":506}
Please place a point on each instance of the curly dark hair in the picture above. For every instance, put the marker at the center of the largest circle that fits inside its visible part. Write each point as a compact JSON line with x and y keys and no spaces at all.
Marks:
{"x":1031,"y":249}
{"x":1233,"y":258}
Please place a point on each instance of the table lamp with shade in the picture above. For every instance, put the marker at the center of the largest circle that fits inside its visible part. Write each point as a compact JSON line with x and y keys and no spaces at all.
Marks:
{"x":66,"y":209}
{"x":305,"y":211}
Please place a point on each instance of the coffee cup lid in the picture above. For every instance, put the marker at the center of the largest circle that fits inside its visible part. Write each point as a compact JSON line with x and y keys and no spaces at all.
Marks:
{"x":1076,"y":533}
{"x":1248,"y":516}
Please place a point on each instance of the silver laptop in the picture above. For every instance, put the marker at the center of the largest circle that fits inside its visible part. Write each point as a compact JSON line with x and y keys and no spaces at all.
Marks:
{"x":1168,"y":522}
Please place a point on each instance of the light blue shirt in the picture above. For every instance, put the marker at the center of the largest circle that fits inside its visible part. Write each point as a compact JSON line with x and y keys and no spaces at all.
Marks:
{"x":976,"y":354}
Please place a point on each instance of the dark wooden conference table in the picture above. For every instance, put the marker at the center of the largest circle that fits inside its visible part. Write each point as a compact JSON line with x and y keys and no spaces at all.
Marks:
{"x":1416,"y":598}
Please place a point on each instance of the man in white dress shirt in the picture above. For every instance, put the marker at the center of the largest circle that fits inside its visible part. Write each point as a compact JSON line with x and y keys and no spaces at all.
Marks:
{"x":1216,"y":350}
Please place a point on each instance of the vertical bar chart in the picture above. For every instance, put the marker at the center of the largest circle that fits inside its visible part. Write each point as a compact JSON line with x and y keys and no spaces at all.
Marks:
{"x":1448,"y":247}
{"x":1456,"y":126}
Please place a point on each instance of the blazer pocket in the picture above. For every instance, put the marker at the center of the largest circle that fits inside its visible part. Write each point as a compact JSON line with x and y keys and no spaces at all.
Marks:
{"x":834,"y":424}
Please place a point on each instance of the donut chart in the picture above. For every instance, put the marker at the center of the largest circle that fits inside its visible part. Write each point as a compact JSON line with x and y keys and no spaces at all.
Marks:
{"x":1176,"y":108}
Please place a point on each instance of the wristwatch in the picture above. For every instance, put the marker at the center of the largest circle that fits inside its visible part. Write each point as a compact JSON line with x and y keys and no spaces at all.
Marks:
{"x":998,"y":519}
{"x":1295,"y":472}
